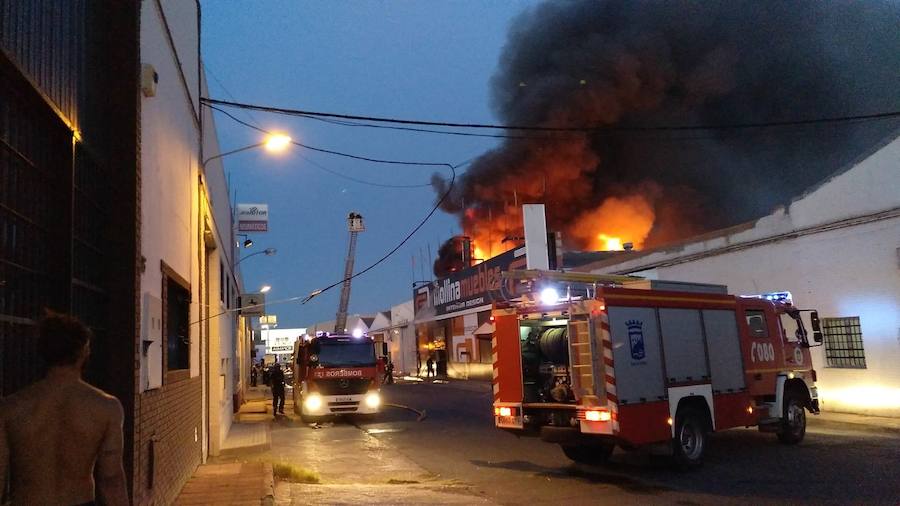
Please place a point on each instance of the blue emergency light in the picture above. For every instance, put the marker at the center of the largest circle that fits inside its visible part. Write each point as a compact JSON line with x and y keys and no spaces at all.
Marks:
{"x":773,"y":296}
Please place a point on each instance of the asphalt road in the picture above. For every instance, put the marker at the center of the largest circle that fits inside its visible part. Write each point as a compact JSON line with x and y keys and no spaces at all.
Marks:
{"x":836,"y":463}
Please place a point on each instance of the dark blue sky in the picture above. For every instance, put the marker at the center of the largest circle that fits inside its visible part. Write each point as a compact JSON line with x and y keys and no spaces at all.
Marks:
{"x":412,"y":59}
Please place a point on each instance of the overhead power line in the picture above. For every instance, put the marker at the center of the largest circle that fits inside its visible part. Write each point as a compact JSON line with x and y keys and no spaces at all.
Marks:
{"x":537,"y":128}
{"x":393,"y":250}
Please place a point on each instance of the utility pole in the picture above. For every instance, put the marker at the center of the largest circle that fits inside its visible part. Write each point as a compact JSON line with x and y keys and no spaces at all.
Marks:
{"x":355,"y":225}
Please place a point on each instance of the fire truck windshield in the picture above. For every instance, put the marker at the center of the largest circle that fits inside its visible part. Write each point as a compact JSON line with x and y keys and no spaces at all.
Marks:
{"x":346,"y":354}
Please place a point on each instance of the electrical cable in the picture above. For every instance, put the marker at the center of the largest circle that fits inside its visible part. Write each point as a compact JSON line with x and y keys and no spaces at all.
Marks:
{"x":360,"y":181}
{"x":535,"y":128}
{"x":387,"y":255}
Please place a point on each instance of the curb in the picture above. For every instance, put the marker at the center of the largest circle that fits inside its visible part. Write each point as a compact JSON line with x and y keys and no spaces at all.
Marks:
{"x":269,"y":484}
{"x":843,"y":419}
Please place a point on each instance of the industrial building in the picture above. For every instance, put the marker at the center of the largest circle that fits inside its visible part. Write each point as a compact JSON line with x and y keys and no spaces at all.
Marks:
{"x":108,"y":211}
{"x":835,"y":249}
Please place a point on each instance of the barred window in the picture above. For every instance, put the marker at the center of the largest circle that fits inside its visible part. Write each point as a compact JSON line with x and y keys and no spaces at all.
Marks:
{"x":843,"y":342}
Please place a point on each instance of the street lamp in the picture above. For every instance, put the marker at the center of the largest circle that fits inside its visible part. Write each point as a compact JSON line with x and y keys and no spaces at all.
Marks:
{"x":247,"y":240}
{"x":265,"y":288}
{"x":268,"y":252}
{"x":273,"y":142}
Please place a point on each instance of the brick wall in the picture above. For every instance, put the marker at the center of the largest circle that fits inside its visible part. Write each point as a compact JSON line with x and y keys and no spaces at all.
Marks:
{"x":169,"y":416}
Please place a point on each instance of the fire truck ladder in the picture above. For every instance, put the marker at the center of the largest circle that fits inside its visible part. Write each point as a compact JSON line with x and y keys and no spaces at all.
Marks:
{"x":581,"y":357}
{"x":355,"y":225}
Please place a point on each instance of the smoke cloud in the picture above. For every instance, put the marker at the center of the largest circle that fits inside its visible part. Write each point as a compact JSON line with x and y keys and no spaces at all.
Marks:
{"x":651,"y":63}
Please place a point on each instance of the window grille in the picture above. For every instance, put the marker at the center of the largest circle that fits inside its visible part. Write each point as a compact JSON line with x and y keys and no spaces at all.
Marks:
{"x":843,"y":343}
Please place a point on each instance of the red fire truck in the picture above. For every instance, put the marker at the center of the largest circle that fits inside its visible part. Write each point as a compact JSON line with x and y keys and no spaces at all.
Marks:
{"x":335,"y":374}
{"x":590,"y":361}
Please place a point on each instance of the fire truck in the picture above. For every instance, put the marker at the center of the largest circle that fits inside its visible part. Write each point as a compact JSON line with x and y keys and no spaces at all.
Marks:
{"x":335,"y":374}
{"x":592,"y":361}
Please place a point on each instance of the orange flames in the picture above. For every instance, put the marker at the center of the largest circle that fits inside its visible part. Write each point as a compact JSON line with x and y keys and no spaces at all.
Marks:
{"x":617,"y":221}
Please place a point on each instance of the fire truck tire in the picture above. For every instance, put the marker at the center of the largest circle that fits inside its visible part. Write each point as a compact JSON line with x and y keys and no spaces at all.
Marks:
{"x":793,"y":421}
{"x":589,"y":454}
{"x":691,"y":438}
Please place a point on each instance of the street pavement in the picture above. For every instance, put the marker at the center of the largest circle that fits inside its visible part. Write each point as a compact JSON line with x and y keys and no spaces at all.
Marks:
{"x":353,"y":465}
{"x":837,"y":463}
{"x":454,"y":455}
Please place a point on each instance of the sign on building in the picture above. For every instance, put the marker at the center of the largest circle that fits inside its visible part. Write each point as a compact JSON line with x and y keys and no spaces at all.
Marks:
{"x":472,"y":287}
{"x":253,"y":304}
{"x":268,"y":319}
{"x":253,"y":217}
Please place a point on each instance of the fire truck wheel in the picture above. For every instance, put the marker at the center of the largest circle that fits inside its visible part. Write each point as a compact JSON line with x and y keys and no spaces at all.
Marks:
{"x":691,"y":436}
{"x":310,"y":418}
{"x":589,"y":454}
{"x":793,"y":422}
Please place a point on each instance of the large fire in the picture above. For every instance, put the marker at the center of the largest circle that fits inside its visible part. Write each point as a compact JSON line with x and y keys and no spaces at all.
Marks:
{"x":609,"y":227}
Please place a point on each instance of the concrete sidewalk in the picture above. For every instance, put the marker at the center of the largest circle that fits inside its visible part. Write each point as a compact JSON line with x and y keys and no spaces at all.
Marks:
{"x":873,"y":422}
{"x":236,"y":484}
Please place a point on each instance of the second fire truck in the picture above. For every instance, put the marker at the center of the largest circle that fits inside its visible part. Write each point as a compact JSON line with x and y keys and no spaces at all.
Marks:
{"x":336,"y":374}
{"x":590,"y":362}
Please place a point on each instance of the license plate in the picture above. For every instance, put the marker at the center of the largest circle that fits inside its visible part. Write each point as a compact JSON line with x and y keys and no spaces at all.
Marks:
{"x":343,"y":399}
{"x":509,"y":421}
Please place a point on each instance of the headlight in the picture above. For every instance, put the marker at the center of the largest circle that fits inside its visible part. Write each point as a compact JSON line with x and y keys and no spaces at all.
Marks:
{"x":313,"y":402}
{"x":373,"y":400}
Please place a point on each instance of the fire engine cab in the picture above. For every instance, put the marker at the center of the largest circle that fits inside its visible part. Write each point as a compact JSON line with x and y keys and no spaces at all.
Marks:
{"x":335,"y":374}
{"x":592,"y":361}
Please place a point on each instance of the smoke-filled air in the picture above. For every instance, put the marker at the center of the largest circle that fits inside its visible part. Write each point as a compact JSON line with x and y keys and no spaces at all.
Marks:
{"x":623,"y":69}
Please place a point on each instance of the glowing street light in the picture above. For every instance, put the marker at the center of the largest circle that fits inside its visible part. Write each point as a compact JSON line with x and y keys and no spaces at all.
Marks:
{"x":276,"y":143}
{"x":265,"y":288}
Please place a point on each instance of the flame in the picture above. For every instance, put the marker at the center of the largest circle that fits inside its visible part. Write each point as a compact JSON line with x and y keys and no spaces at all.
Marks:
{"x":610,"y":243}
{"x":618,"y":220}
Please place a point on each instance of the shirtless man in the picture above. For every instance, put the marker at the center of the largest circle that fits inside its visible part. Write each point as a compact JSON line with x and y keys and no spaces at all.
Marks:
{"x":60,"y":433}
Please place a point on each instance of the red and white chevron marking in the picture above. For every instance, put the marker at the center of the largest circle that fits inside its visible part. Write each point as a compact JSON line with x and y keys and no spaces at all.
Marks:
{"x":496,"y":378}
{"x":610,"y":378}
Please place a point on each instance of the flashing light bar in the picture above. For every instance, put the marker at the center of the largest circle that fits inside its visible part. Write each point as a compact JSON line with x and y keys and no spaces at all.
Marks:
{"x":773,"y":296}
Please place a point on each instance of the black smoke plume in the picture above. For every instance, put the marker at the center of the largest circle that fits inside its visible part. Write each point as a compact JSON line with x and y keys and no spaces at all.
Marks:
{"x":627,"y":65}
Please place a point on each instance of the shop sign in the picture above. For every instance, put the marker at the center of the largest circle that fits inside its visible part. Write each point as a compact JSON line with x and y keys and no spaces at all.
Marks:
{"x":253,"y":304}
{"x":469,"y":288}
{"x":253,"y":217}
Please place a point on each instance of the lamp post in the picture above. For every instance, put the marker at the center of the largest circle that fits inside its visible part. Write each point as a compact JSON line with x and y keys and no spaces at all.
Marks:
{"x":268,"y":252}
{"x":274,"y":143}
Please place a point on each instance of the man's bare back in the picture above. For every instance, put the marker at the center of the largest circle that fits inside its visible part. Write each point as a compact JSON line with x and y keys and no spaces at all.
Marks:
{"x":55,"y":431}
{"x":60,"y":433}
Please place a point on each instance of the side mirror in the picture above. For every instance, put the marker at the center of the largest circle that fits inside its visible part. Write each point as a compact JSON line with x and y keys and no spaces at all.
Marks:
{"x":816,"y":326}
{"x":814,"y":321}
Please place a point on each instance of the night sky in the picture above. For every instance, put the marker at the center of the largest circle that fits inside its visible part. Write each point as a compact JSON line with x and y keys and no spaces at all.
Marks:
{"x":422,"y":60}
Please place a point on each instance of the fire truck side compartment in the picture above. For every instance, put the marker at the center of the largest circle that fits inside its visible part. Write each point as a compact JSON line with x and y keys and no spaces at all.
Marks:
{"x":639,"y":375}
{"x":723,"y":343}
{"x":683,"y":347}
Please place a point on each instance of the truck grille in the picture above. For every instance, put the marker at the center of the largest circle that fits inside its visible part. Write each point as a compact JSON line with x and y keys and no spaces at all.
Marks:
{"x":343,"y":407}
{"x":343,"y":386}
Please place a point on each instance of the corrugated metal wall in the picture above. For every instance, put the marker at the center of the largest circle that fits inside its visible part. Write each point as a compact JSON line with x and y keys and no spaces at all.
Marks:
{"x":45,"y":38}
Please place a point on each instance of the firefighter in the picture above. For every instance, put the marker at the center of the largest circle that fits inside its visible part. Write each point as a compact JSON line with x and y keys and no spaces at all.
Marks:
{"x":276,"y":378}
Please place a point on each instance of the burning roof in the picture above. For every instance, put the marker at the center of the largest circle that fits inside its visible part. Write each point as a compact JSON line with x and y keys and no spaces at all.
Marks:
{"x":644,"y":64}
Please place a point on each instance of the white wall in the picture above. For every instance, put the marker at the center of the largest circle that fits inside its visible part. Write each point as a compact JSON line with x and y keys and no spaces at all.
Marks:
{"x":170,"y":149}
{"x":838,"y":251}
{"x":403,"y":338}
{"x":173,"y":199}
